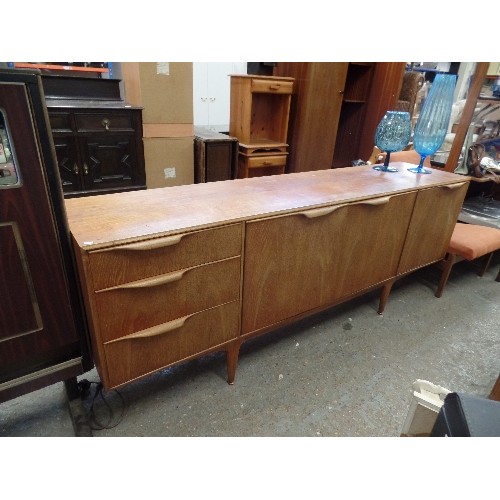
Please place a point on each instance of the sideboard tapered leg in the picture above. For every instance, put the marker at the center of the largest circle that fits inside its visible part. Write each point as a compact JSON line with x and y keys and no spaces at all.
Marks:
{"x":232,"y":354}
{"x":384,"y":295}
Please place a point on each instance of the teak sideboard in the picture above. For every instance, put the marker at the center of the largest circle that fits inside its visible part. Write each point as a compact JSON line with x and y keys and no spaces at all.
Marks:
{"x":174,"y":273}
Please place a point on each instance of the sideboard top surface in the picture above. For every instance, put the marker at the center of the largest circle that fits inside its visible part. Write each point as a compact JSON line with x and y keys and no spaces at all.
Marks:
{"x":104,"y":220}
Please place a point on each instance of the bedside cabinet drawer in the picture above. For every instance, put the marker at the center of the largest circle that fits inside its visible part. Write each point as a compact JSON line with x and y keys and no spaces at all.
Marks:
{"x":266,"y":161}
{"x":139,"y":305}
{"x":131,"y":357}
{"x":135,"y":261}
{"x":272,"y":86}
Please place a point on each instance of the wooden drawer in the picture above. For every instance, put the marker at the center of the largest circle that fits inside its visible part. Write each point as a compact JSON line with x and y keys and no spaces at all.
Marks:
{"x":60,"y":122}
{"x":104,"y":122}
{"x":265,"y":161}
{"x":150,"y":350}
{"x":136,"y":261}
{"x":135,"y":306}
{"x":271,"y":86}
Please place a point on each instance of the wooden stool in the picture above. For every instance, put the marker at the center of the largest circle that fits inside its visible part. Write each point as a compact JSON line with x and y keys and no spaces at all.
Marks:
{"x":469,"y":242}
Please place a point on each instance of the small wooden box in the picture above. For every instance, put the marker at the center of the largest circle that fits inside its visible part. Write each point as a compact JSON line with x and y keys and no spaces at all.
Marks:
{"x":215,"y":156}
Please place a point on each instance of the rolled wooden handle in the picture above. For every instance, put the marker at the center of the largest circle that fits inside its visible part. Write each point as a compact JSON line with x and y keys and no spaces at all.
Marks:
{"x":157,"y":329}
{"x":152,"y":244}
{"x":454,"y":186}
{"x":321,"y":212}
{"x":376,"y":201}
{"x":149,"y":282}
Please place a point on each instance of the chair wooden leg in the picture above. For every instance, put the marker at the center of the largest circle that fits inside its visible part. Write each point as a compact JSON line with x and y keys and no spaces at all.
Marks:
{"x":448,"y":262}
{"x":495,"y":391}
{"x":485,"y":264}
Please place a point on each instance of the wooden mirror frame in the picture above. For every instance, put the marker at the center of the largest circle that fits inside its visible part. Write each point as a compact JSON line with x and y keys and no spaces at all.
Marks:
{"x":468,"y":112}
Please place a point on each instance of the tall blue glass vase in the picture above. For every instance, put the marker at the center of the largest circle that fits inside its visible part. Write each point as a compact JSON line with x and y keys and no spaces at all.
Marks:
{"x":432,"y":124}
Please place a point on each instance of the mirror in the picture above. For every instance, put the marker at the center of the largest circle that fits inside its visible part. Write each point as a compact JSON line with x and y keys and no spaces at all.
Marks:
{"x":8,"y":172}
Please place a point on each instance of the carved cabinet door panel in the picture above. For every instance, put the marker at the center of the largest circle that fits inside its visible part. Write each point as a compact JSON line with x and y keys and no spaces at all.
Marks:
{"x":110,"y":161}
{"x":70,"y":170}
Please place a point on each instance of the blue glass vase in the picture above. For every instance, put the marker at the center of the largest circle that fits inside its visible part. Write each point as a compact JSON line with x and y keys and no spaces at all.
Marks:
{"x":432,"y":124}
{"x":393,"y":134}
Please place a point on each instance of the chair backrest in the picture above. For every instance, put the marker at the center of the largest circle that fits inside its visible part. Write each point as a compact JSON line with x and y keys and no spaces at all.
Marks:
{"x":409,"y":156}
{"x":412,"y":83}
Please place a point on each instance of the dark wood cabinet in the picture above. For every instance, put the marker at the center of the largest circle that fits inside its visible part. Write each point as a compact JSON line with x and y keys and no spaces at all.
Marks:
{"x":99,"y":148}
{"x":215,"y":155}
{"x":43,"y":336}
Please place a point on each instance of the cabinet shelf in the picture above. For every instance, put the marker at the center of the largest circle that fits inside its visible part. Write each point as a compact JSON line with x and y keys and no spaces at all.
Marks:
{"x":60,"y":67}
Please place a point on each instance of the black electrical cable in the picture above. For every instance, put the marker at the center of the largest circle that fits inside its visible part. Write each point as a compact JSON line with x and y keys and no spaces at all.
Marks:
{"x":95,"y":423}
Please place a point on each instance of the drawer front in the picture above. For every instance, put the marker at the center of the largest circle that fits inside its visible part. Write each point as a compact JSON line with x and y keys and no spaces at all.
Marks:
{"x":136,"y":306}
{"x":266,"y":161}
{"x":60,"y":122}
{"x":272,"y":86}
{"x":130,"y":358}
{"x":152,"y":257}
{"x":104,"y":122}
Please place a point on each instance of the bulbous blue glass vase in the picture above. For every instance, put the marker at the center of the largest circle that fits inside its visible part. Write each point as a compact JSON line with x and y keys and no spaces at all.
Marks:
{"x":433,"y":121}
{"x":393,"y":134}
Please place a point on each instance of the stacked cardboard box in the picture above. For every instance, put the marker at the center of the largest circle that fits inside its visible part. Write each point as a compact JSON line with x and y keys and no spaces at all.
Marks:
{"x":165,"y":92}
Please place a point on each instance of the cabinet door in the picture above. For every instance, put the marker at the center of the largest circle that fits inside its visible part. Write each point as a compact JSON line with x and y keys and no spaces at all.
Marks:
{"x":311,"y":259}
{"x":38,"y":334}
{"x":211,"y":90}
{"x":109,"y":162}
{"x":68,"y":161}
{"x":314,"y":117}
{"x":432,"y":223}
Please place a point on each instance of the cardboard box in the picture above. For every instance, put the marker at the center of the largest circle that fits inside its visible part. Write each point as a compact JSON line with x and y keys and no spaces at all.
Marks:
{"x":427,"y":399}
{"x":169,"y":161}
{"x":163,"y":90}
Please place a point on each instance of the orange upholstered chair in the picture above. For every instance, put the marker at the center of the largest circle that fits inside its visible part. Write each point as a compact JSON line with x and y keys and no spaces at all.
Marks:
{"x":469,"y":241}
{"x":408,"y":156}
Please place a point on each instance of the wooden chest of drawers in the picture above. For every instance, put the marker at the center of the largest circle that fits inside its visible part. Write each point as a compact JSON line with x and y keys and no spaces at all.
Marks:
{"x":159,"y":300}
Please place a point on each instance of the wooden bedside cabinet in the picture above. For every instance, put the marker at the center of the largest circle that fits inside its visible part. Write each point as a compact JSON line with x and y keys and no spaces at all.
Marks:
{"x":259,"y":113}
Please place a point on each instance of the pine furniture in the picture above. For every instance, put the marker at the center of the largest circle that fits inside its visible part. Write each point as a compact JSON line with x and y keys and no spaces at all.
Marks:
{"x":259,"y":113}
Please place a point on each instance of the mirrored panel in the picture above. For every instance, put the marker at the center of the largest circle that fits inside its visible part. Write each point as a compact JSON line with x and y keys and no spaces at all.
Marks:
{"x":9,"y":175}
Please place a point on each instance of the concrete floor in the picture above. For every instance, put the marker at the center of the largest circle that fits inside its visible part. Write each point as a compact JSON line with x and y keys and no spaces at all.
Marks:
{"x":346,"y":372}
